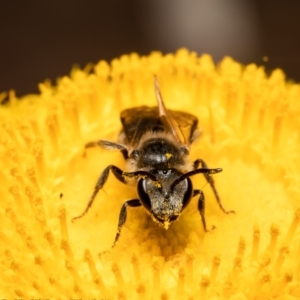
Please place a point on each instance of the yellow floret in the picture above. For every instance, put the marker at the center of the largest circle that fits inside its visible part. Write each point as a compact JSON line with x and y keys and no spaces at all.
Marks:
{"x":250,"y":125}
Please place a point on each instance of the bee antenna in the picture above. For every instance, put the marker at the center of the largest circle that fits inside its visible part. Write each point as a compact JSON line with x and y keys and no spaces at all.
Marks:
{"x":195,"y":172}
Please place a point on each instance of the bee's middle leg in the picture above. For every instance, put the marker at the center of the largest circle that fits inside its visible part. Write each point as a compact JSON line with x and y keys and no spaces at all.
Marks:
{"x":100,"y":183}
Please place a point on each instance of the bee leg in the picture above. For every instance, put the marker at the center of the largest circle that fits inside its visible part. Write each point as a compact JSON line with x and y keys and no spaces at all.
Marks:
{"x":101,"y":181}
{"x":108,"y":145}
{"x":201,"y":209}
{"x":211,"y":182}
{"x":123,"y":216}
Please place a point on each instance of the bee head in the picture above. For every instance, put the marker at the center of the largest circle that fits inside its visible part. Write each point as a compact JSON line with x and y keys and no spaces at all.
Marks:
{"x":164,"y":199}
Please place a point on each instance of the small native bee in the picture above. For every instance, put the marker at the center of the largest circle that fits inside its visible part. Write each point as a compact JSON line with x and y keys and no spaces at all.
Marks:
{"x":155,"y":143}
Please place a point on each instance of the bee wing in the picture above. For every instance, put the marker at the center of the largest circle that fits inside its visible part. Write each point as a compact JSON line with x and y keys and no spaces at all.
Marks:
{"x":185,"y":125}
{"x":180,"y":124}
{"x":139,"y":120}
{"x":163,"y":113}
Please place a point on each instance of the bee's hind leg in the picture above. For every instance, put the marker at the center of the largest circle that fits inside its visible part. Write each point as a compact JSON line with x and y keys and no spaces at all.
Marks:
{"x":108,"y":145}
{"x":211,"y":182}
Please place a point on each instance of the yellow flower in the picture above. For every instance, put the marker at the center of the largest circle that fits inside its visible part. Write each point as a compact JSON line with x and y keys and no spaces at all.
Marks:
{"x":250,"y":126}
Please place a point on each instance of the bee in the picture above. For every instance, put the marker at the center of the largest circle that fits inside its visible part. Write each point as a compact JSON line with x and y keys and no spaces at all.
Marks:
{"x":155,"y":142}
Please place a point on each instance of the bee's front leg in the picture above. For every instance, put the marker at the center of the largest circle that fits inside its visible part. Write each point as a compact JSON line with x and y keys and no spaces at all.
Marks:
{"x":201,"y":209}
{"x":123,"y":216}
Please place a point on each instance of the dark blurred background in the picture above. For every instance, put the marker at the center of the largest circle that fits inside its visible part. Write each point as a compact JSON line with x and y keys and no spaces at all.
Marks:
{"x":45,"y":39}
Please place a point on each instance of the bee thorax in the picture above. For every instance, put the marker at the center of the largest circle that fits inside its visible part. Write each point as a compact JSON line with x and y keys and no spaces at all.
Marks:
{"x":160,"y":153}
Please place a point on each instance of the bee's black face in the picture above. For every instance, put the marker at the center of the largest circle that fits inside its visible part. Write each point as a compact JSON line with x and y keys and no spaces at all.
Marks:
{"x":165,"y":204}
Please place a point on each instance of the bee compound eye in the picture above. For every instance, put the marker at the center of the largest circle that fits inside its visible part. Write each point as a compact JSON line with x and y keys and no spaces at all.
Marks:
{"x":188,"y":193}
{"x":143,"y":195}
